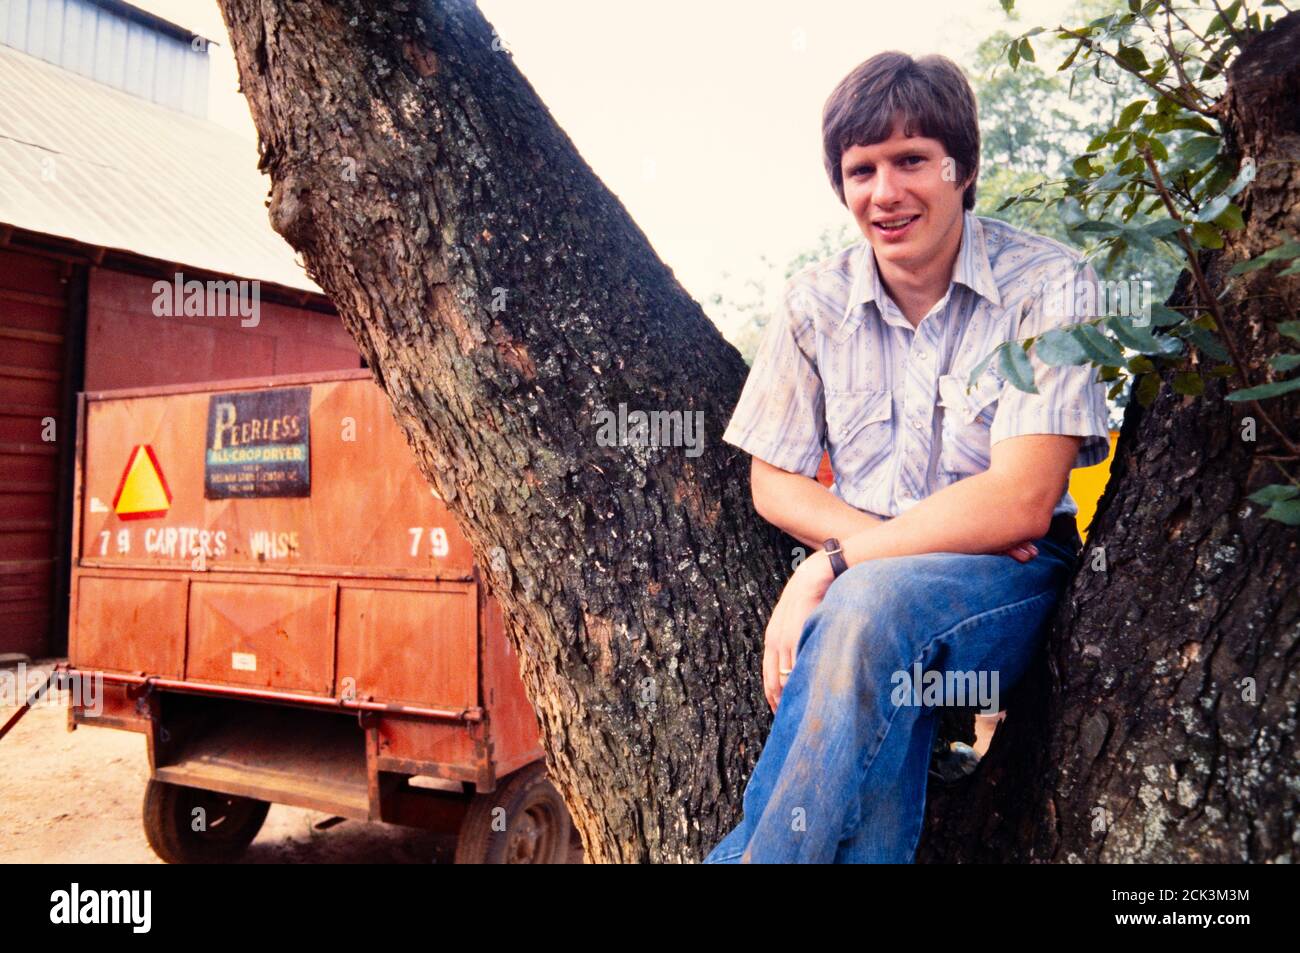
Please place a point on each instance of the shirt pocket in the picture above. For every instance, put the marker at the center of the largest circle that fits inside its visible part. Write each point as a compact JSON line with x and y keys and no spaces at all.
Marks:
{"x":859,"y":432}
{"x":967,"y":421}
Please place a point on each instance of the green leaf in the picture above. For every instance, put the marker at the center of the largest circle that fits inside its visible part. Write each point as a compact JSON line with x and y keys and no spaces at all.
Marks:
{"x":1116,"y":389}
{"x":1026,"y":50}
{"x":1222,"y":20}
{"x":1211,"y":211}
{"x":1131,"y":112}
{"x":1101,"y":228}
{"x":1265,"y":391}
{"x":1016,"y":368}
{"x":1162,"y":227}
{"x":1198,"y":150}
{"x":1140,"y":365}
{"x":1132,"y":58}
{"x":1135,"y":236}
{"x":1058,"y":347}
{"x":1288,"y":512}
{"x":1112,"y":180}
{"x":1284,"y":362}
{"x":1168,"y":346}
{"x":1163,"y":316}
{"x":1244,"y":177}
{"x":1148,"y":389}
{"x":1284,"y":252}
{"x":1188,"y":383}
{"x":1069,"y":60}
{"x":979,"y":368}
{"x":1274,"y":493}
{"x":1071,"y":212}
{"x":1134,"y":338}
{"x":1157,"y":148}
{"x":1230,"y":218}
{"x":1290,"y":328}
{"x":1207,"y":343}
{"x":1193,"y":122}
{"x":1206,"y":235}
{"x":1099,"y":348}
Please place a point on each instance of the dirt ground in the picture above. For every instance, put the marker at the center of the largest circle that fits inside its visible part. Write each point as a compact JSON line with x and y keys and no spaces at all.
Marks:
{"x":75,"y":797}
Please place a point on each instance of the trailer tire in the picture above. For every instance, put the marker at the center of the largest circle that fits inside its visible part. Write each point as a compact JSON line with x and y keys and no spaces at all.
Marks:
{"x":232,"y":822}
{"x":536,"y":824}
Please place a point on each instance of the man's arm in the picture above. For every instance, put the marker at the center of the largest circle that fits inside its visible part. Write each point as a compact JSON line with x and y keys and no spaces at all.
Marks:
{"x":986,"y":513}
{"x":811,"y":513}
{"x":1036,"y":438}
{"x":802,"y":507}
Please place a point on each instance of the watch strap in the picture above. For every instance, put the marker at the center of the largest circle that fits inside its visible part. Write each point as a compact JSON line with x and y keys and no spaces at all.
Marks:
{"x":836,"y":553}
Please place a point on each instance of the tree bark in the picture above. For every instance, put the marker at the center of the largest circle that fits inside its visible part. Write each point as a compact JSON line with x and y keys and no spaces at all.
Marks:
{"x":1161,"y":725}
{"x":503,"y":296}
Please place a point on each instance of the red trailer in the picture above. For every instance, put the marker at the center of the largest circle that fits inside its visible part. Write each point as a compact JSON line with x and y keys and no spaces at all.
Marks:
{"x":278,"y":600}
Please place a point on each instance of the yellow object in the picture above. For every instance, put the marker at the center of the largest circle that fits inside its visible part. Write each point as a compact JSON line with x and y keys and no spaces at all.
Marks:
{"x":1088,"y":484}
{"x":143,"y":492}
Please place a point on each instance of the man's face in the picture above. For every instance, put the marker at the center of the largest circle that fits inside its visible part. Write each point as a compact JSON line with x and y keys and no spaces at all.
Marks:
{"x":903,"y":179}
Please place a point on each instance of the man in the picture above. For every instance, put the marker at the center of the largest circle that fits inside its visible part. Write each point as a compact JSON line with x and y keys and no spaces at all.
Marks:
{"x":948,"y":535}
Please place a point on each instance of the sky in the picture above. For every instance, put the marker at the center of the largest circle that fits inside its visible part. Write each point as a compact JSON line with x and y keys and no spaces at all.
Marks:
{"x":702,"y":116}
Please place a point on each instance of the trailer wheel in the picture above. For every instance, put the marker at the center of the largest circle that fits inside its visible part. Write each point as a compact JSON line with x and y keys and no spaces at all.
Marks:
{"x":524,"y":821}
{"x":231,"y":823}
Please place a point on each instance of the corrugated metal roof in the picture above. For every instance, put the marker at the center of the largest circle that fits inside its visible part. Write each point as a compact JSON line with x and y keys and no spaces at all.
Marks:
{"x":82,"y":161}
{"x":113,"y":43}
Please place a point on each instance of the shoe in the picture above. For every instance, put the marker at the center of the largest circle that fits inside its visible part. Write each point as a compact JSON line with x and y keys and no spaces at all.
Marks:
{"x":958,"y":762}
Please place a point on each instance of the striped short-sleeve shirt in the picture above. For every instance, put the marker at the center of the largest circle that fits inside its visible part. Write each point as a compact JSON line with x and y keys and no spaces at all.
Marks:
{"x":841,"y":369}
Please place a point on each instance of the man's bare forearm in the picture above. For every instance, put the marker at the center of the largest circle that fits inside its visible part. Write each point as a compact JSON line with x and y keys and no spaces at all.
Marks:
{"x":804,"y":508}
{"x":985,"y":513}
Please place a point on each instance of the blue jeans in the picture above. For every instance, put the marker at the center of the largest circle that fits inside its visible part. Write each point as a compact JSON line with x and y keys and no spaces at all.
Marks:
{"x":842,"y":776}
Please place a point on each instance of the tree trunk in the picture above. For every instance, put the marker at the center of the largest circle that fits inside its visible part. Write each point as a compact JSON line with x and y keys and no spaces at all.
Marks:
{"x":1161,"y":726}
{"x":503,"y":297}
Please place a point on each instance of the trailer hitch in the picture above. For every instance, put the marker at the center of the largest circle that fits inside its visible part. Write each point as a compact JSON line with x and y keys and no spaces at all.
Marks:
{"x":32,"y":699}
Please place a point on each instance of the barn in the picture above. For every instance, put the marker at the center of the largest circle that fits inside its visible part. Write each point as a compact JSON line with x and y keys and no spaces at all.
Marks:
{"x":134,"y":251}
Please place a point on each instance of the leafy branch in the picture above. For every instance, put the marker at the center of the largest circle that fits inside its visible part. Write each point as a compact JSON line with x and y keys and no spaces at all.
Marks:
{"x":1157,"y":180}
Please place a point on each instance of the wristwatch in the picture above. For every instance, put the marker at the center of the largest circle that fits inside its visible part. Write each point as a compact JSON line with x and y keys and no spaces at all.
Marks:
{"x":836,"y":552}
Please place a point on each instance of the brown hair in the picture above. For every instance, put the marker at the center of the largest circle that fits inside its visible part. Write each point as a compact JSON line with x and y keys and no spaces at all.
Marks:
{"x":931,"y":96}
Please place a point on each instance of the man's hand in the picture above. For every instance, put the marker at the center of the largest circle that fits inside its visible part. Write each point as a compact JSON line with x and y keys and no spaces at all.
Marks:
{"x":1022,"y":552}
{"x":802,"y":594}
